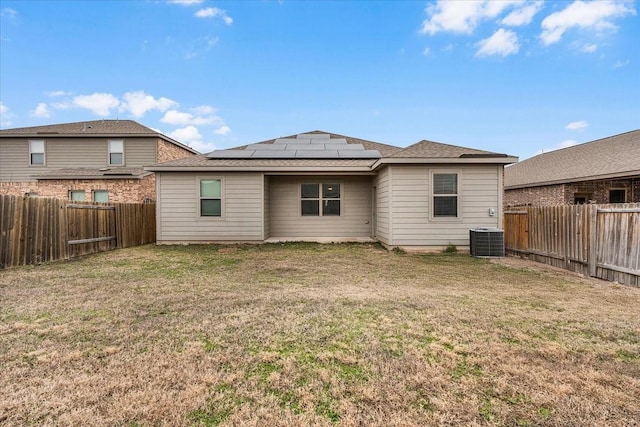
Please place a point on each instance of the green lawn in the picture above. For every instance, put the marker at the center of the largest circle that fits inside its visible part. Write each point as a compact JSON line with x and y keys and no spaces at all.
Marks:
{"x":308,"y":334}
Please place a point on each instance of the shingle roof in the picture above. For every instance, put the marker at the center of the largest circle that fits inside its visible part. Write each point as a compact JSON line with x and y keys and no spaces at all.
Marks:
{"x":91,"y":173}
{"x":610,"y":157}
{"x":104,"y":128}
{"x":430,"y":149}
{"x":419,"y":152}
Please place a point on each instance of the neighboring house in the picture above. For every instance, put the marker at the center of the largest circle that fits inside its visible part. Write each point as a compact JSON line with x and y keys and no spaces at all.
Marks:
{"x":99,"y":160}
{"x":602,"y":171}
{"x":325,"y":187}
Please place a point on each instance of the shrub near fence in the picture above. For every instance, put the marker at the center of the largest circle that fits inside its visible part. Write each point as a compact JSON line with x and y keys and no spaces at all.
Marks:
{"x":596,"y":240}
{"x":35,"y":230}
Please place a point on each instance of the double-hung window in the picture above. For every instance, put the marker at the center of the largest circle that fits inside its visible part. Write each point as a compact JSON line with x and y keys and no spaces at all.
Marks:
{"x":320,"y":199}
{"x":116,"y":153}
{"x":445,"y":195}
{"x":211,"y":197}
{"x":36,"y":153}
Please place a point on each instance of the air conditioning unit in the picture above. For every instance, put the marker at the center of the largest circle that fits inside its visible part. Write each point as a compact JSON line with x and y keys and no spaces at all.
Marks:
{"x":485,"y":241}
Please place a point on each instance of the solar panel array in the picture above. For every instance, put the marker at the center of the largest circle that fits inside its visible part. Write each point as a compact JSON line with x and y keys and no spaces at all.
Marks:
{"x":304,"y":146}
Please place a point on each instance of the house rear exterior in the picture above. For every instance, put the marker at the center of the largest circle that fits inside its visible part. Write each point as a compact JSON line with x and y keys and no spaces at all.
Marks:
{"x":602,"y":171}
{"x":326,"y":187}
{"x":98,"y":160}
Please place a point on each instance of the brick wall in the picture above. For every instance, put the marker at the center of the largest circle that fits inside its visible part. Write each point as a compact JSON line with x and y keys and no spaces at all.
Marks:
{"x":548,"y":195}
{"x":595,"y":191}
{"x":120,"y":190}
{"x":168,"y":151}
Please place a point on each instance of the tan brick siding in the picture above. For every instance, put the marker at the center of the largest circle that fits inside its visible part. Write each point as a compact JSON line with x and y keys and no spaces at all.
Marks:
{"x":120,"y":190}
{"x":168,"y":151}
{"x":537,"y":196}
{"x":564,"y":194}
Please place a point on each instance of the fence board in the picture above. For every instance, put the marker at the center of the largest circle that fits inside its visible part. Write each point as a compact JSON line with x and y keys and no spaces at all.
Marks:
{"x":598,"y":240}
{"x":35,"y":230}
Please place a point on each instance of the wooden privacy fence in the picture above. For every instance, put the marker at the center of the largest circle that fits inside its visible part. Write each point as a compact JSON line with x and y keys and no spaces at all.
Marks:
{"x":596,"y":240}
{"x":35,"y":230}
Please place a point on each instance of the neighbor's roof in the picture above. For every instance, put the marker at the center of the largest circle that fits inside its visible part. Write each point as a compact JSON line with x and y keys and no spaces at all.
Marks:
{"x":94,"y":128}
{"x":333,"y":158}
{"x":93,"y":173}
{"x":611,"y":157}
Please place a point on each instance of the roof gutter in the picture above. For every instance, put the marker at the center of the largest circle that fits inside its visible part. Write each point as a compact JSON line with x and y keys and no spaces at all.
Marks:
{"x":444,"y":160}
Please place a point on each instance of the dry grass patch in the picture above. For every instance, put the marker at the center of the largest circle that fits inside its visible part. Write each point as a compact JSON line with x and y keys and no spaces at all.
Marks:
{"x":306,"y":334}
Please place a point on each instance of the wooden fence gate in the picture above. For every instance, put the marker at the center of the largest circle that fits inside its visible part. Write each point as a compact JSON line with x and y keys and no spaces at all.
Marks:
{"x":596,"y":240}
{"x":35,"y":230}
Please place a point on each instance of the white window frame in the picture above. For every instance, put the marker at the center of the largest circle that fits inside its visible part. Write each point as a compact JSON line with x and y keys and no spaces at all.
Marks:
{"x":112,"y":151}
{"x":320,"y":198}
{"x":32,"y":152}
{"x":458,"y":195}
{"x":199,"y":215}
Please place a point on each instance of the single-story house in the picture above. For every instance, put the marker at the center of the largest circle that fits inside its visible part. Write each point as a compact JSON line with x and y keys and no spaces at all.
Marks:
{"x":603,"y":171}
{"x":320,"y":186}
{"x":98,"y":160}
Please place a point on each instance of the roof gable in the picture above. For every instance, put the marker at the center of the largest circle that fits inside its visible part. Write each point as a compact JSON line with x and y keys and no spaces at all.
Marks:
{"x":94,"y":128}
{"x":431,"y":149}
{"x":617,"y":155}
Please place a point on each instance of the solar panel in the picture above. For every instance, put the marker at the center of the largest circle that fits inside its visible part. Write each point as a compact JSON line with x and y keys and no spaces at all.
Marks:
{"x":304,"y":146}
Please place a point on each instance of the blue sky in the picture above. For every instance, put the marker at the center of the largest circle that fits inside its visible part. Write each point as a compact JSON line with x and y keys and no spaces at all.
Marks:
{"x":515,"y":77}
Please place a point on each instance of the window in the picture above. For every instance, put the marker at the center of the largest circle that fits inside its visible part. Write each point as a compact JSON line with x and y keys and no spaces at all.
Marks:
{"x":77,"y":195}
{"x":36,"y":153}
{"x":581,"y":198}
{"x":211,"y":197}
{"x":320,"y":199}
{"x":116,"y":153}
{"x":100,"y":196}
{"x":445,"y":195}
{"x":617,"y":196}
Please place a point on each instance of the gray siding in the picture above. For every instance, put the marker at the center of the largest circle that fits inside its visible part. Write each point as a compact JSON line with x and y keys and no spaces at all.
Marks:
{"x":412,"y":224}
{"x":267,"y":210}
{"x":287,"y":221}
{"x":70,"y":153}
{"x":381,"y":182}
{"x":178,"y":208}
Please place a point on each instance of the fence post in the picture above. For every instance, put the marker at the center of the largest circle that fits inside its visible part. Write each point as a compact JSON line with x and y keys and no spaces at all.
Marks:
{"x":593,"y":240}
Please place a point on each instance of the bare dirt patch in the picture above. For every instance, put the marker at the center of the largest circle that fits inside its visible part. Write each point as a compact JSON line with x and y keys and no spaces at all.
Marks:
{"x":306,"y":334}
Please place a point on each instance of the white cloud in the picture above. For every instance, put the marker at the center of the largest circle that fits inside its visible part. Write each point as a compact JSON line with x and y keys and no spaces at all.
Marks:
{"x":42,"y":110}
{"x":426,"y":51}
{"x":578,"y":125}
{"x":214,"y":12}
{"x":99,"y":103}
{"x":8,"y":12}
{"x":138,"y":103}
{"x":5,"y":115}
{"x":185,"y":2}
{"x":223,"y":130}
{"x":462,"y":16}
{"x":619,"y":63}
{"x":502,"y":42}
{"x":522,"y":15}
{"x":178,"y":118}
{"x":595,"y":15}
{"x":589,"y":48}
{"x":57,"y":93}
{"x":191,"y":136}
{"x":204,"y":109}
